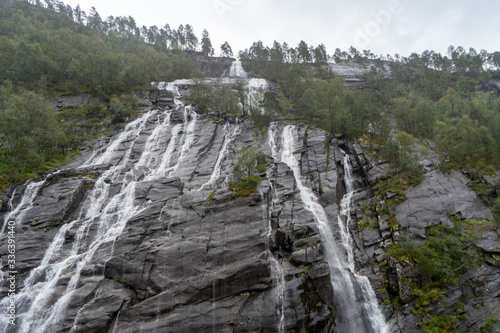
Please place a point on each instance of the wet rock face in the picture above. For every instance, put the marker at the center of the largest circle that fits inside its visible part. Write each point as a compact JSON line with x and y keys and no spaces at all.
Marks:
{"x":210,"y":66}
{"x":190,"y":257}
{"x":436,"y":198}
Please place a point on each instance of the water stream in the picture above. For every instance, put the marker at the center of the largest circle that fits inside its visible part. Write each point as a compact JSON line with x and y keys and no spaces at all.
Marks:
{"x":229,"y":136}
{"x":41,"y":303}
{"x":276,"y":269}
{"x":356,"y":305}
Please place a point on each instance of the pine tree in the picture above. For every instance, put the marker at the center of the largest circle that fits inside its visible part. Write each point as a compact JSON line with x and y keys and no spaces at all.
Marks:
{"x":226,"y":50}
{"x":206,"y":44}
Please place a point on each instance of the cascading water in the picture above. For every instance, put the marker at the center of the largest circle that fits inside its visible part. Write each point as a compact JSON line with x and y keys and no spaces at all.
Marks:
{"x":356,"y":306}
{"x":256,"y":90}
{"x":189,"y":136}
{"x":255,"y":87}
{"x":41,"y":303}
{"x":228,"y":138}
{"x":345,"y":210}
{"x":236,"y":70}
{"x":17,"y":213}
{"x":276,"y":269}
{"x":14,"y":217}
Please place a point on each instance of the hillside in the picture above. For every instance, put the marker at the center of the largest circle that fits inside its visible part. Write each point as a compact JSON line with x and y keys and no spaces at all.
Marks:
{"x":149,"y":186}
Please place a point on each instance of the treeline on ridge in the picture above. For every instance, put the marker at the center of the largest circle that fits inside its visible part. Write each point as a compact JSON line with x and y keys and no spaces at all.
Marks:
{"x":49,"y":49}
{"x":431,"y":96}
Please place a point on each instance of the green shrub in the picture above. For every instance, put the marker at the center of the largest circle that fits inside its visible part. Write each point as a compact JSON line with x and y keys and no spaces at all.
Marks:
{"x":245,"y":186}
{"x":439,"y":324}
{"x":445,"y":255}
{"x":249,"y":161}
{"x":488,"y":326}
{"x":496,"y":209}
{"x":210,"y":198}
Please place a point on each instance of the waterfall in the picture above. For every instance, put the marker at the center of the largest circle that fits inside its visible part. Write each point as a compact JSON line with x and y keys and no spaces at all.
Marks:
{"x":255,"y":87}
{"x":26,"y":203}
{"x":369,"y":299}
{"x":237,"y":70}
{"x":132,"y":130}
{"x":356,"y":306}
{"x":276,"y":269}
{"x":256,"y":90}
{"x":277,"y":273}
{"x":345,"y":210}
{"x":43,"y":300}
{"x":189,"y":136}
{"x":155,"y":140}
{"x":13,"y":218}
{"x":228,"y":138}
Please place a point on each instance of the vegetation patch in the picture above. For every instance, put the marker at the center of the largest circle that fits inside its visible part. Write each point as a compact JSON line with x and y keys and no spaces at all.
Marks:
{"x":211,"y":197}
{"x":488,"y":326}
{"x":245,"y":186}
{"x":439,"y":324}
{"x":250,"y":160}
{"x":447,"y":253}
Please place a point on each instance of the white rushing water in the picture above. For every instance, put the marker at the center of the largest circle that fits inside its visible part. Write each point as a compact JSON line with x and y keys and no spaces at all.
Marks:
{"x":229,"y":136}
{"x":276,"y":269}
{"x":256,"y":90}
{"x":43,"y":300}
{"x":356,"y":305}
{"x":16,"y":214}
{"x":255,"y":87}
{"x":236,"y":70}
{"x":345,"y":211}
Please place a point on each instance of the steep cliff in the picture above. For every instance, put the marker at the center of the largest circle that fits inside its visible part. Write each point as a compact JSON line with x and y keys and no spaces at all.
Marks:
{"x":141,"y":233}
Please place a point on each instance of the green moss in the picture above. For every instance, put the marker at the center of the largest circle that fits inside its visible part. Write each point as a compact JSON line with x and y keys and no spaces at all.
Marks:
{"x":48,"y":228}
{"x":496,"y":209}
{"x":488,"y":326}
{"x":439,"y":324}
{"x":245,"y":187}
{"x":211,"y":197}
{"x":482,"y":190}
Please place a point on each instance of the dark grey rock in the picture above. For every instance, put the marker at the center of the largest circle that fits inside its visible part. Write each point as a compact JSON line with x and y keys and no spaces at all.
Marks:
{"x":489,"y":242}
{"x":436,"y":198}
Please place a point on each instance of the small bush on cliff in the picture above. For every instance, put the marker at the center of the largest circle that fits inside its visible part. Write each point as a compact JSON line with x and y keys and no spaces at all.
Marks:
{"x":249,"y":161}
{"x":496,"y":209}
{"x":446,"y":254}
{"x":488,"y":326}
{"x":122,"y":108}
{"x":245,"y":186}
{"x":439,"y":324}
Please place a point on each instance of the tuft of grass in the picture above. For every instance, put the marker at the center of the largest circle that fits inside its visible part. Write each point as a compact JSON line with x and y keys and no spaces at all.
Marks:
{"x":245,"y":186}
{"x":210,"y":199}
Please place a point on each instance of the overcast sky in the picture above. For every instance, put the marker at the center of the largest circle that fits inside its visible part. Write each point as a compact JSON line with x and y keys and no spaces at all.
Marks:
{"x":383,"y":26}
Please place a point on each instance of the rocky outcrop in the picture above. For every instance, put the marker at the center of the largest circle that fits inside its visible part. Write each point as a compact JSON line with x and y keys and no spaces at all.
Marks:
{"x":437,"y":199}
{"x":210,"y":66}
{"x":492,"y":85}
